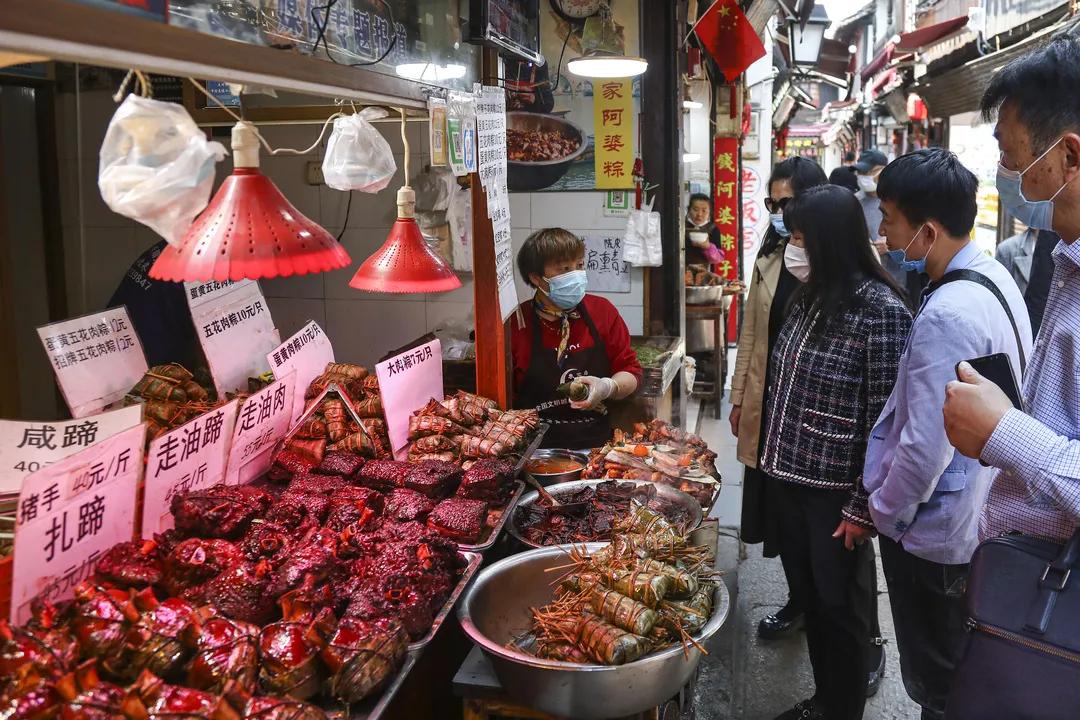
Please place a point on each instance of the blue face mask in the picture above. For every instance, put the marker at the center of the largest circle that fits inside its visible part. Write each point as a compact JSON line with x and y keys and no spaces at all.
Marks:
{"x":567,"y":290}
{"x":901,"y":259}
{"x":1036,"y":214}
{"x":777,"y":220}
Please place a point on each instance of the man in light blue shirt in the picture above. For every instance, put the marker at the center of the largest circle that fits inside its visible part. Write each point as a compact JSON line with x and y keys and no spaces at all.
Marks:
{"x":926,"y":498}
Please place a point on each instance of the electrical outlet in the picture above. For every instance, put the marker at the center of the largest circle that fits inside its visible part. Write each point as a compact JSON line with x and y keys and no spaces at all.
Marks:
{"x":314,"y":174}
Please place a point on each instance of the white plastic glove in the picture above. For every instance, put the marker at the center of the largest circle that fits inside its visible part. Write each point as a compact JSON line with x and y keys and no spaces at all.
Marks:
{"x":600,"y":389}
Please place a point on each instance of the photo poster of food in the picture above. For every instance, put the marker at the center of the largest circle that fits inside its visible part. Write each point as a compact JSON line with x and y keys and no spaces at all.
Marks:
{"x":550,"y":113}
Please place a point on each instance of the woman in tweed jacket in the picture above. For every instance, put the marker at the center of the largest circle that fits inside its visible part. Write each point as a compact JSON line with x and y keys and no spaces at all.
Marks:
{"x":835,"y":363}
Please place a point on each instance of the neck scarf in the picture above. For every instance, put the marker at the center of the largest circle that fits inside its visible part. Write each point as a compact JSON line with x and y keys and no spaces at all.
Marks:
{"x":552,"y":314}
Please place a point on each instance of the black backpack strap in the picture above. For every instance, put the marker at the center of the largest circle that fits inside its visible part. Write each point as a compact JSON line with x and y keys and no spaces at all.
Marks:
{"x":980,"y":279}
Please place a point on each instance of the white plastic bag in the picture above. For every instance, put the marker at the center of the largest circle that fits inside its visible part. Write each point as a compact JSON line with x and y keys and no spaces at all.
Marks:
{"x":156,"y":166}
{"x":357,"y":155}
{"x":434,"y":187}
{"x":642,"y":245}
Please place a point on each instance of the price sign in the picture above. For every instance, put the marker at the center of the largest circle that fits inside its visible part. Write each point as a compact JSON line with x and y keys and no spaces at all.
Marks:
{"x":97,"y":358}
{"x":69,"y":514}
{"x":262,"y":423}
{"x":603,"y":261}
{"x":406,"y":382}
{"x":189,"y":458}
{"x":26,"y":447}
{"x":306,"y":354}
{"x":235,"y":330}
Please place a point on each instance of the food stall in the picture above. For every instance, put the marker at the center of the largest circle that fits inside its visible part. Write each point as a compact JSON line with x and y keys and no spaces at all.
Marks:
{"x":270,"y":531}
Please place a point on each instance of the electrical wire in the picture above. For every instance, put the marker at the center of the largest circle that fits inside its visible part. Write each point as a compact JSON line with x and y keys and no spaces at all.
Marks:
{"x":262,"y":140}
{"x":321,"y":37}
{"x":345,"y":223}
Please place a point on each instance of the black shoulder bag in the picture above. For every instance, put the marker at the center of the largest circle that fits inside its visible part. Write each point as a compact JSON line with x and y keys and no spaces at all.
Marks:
{"x":1022,"y":658}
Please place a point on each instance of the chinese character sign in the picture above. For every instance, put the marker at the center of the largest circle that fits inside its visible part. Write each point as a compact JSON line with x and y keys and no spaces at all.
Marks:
{"x":306,"y":353}
{"x":26,"y":447}
{"x":613,"y":133}
{"x":96,"y":358}
{"x":235,"y":330}
{"x":263,"y":421}
{"x":407,"y":381}
{"x":189,"y":458}
{"x":69,"y":514}
{"x":603,"y":261}
{"x":727,"y":204}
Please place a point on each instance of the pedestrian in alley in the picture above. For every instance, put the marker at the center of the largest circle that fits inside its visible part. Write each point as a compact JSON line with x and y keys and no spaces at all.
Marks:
{"x":1036,"y":490}
{"x":833,"y":366}
{"x":1029,"y":258}
{"x":925,"y":498}
{"x":771,"y":287}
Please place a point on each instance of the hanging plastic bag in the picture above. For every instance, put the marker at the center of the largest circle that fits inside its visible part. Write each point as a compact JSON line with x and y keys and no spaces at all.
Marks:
{"x":357,"y":155}
{"x":156,"y":166}
{"x":642,"y":245}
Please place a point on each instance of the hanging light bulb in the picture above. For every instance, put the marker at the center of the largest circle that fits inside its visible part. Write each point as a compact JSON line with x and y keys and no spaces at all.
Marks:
{"x":249,"y":230}
{"x":405,"y":263}
{"x":603,"y":56}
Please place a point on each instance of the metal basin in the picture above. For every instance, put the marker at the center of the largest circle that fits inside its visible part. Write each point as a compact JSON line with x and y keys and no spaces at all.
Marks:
{"x":526,"y":176}
{"x":665,"y":491}
{"x":495,"y":609}
{"x":546,"y":479}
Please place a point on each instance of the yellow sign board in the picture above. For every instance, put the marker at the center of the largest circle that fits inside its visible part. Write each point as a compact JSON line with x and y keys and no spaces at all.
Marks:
{"x":613,"y":133}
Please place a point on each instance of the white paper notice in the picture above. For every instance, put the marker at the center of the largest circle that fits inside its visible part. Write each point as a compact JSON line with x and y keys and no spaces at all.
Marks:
{"x":603,"y":261}
{"x":189,"y":458}
{"x":69,"y":514}
{"x":262,"y":423}
{"x":306,"y":353}
{"x":97,"y":358}
{"x":235,"y":329}
{"x":26,"y":447}
{"x":491,"y":153}
{"x":406,"y":382}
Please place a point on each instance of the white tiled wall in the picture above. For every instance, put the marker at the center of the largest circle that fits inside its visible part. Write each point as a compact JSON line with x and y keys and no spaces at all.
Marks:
{"x":363,"y":326}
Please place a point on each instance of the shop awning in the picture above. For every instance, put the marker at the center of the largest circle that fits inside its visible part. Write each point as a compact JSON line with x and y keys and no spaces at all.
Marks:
{"x":834,"y":60}
{"x":759,"y":13}
{"x":814,"y":130}
{"x":881,"y":81}
{"x":960,"y":90}
{"x":930,"y":34}
{"x":880,"y":61}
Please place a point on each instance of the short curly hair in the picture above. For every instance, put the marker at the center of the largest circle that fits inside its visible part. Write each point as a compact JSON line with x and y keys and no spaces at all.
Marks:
{"x":544,"y":246}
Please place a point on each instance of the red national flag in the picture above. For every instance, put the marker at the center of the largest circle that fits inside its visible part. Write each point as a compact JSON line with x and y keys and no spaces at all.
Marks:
{"x":729,"y":37}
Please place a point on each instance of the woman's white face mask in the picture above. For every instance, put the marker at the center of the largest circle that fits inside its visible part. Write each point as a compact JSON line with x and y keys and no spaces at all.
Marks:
{"x":797,"y":262}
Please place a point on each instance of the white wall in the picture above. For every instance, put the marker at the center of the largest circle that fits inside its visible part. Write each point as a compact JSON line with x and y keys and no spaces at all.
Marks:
{"x":757,"y":78}
{"x":575,"y":211}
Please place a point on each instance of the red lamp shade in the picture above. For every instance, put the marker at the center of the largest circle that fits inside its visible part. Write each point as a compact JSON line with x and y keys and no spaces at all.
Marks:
{"x":249,"y":231}
{"x":405,"y":263}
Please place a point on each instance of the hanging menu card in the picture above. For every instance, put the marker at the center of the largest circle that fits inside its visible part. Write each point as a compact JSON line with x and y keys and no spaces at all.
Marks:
{"x":491,"y":142}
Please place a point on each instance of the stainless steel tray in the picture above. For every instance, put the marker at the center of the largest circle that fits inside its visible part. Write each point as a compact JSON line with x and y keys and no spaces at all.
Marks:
{"x":493,"y":534}
{"x":472,"y":564}
{"x":677,"y":496}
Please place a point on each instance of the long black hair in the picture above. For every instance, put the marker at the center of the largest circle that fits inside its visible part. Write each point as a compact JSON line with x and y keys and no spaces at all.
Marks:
{"x":803,"y":174}
{"x":831,"y":221}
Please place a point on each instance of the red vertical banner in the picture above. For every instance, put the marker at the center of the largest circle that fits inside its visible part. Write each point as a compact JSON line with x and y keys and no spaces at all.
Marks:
{"x":727,"y":209}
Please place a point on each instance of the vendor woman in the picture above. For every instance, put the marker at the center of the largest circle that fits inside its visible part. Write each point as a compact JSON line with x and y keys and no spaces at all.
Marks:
{"x":562,"y":335}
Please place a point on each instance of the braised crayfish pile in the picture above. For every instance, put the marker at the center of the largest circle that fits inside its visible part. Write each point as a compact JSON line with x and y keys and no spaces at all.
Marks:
{"x":647,"y":590}
{"x":468,"y":427}
{"x":659,"y":452}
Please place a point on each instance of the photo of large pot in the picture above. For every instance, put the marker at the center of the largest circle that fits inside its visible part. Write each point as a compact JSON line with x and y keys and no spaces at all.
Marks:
{"x":540,"y":149}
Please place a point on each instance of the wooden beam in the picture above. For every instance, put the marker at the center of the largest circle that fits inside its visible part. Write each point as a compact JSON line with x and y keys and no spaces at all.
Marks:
{"x":83,"y":33}
{"x":492,"y":338}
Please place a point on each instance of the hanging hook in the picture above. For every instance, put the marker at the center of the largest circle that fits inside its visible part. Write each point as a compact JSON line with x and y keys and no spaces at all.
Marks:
{"x":122,"y":90}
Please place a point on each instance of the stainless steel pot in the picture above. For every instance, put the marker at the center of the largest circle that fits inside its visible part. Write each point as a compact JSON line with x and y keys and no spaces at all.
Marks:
{"x":496,"y":608}
{"x":529,"y":175}
{"x":665,"y":491}
{"x":546,"y":479}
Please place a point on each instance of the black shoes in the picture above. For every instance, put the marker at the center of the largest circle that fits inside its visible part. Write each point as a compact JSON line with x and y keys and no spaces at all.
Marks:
{"x":803,"y":711}
{"x":784,"y":621}
{"x":876,"y":675}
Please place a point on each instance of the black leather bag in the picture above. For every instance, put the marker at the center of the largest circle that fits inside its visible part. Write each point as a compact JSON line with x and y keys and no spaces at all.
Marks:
{"x":1022,"y":661}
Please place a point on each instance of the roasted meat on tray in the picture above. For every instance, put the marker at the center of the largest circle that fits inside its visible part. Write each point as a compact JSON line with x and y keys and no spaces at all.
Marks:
{"x":460,"y":519}
{"x":195,"y":561}
{"x":86,"y":697}
{"x":131,"y":564}
{"x":289,"y":650}
{"x":383,"y":475}
{"x":405,"y":505}
{"x":225,"y":651}
{"x":153,"y":641}
{"x":344,"y":464}
{"x":243,"y":592}
{"x":362,"y":655}
{"x":487,"y":479}
{"x":221,"y":511}
{"x":433,"y":478}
